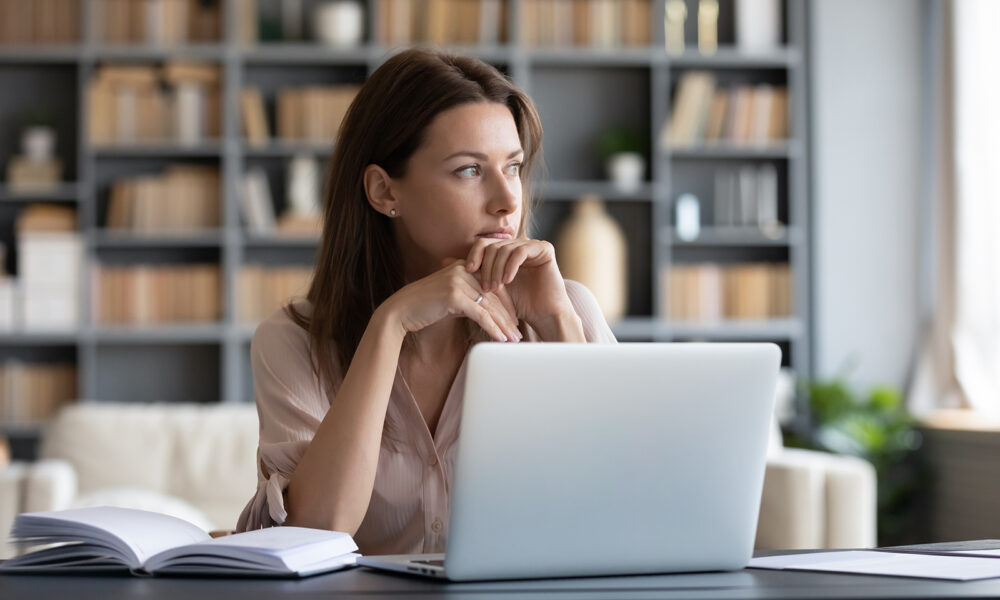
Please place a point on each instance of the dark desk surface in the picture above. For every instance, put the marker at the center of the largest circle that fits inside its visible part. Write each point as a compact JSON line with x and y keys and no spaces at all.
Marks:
{"x":363,"y":583}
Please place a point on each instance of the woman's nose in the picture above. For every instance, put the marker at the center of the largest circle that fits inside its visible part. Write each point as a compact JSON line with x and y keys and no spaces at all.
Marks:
{"x":505,"y":196}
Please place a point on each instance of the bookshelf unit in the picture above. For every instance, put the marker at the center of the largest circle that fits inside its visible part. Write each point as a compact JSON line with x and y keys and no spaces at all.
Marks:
{"x":578,"y":91}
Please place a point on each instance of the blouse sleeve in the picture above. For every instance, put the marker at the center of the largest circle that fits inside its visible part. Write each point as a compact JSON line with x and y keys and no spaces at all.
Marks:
{"x":595,"y":327}
{"x":291,"y":405}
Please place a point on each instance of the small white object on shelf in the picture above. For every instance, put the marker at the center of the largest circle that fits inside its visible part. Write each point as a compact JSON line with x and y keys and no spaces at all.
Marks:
{"x":688,"y":217}
{"x":38,"y":143}
{"x":758,"y":25}
{"x":339,"y":23}
{"x":49,"y":265}
{"x":627,"y":170}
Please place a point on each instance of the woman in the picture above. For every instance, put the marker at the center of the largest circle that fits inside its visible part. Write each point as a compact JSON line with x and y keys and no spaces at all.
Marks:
{"x":424,"y":253}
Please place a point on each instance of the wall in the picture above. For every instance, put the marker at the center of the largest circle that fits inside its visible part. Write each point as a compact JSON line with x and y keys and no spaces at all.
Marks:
{"x":866,"y":80}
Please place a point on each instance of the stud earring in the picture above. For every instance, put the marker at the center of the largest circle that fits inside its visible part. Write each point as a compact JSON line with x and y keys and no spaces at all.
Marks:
{"x":392,"y":212}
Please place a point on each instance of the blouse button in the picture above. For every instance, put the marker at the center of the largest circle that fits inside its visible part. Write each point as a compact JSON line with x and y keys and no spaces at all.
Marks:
{"x":437,"y":526}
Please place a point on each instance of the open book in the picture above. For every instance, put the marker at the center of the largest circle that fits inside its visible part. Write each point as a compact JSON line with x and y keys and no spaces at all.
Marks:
{"x":107,"y":538}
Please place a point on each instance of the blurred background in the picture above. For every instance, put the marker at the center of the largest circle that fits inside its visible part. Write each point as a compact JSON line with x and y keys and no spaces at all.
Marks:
{"x":818,"y":174}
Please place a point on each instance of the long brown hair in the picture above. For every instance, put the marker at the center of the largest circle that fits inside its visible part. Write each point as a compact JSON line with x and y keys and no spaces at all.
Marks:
{"x":358,"y":264}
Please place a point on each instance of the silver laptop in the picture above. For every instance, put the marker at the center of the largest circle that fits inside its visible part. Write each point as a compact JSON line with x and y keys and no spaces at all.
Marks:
{"x":605,"y":459}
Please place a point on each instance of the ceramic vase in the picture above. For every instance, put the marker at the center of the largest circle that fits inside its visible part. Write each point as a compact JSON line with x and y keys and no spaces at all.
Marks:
{"x":591,"y":249}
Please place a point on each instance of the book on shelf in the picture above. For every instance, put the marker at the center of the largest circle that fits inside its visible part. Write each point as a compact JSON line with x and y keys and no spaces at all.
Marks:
{"x":131,"y":104}
{"x":155,"y":22}
{"x":142,"y":542}
{"x":313,"y":113}
{"x":747,"y":196}
{"x":183,"y":199}
{"x":593,"y":23}
{"x":265,"y":289}
{"x":705,"y":113}
{"x":708,"y":292}
{"x":149,"y":294}
{"x":34,"y":392}
{"x":39,"y":21}
{"x":442,"y":22}
{"x":255,"y":129}
{"x":258,"y":207}
{"x":246,"y":21}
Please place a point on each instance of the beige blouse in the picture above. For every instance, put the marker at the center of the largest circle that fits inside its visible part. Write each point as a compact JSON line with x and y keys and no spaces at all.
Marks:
{"x":409,"y":507}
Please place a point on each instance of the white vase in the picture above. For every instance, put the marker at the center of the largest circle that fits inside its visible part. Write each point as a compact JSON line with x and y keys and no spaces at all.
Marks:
{"x":38,"y":143}
{"x":591,"y":249}
{"x":340,"y":23}
{"x":626,"y":171}
{"x":758,"y":25}
{"x":687,"y":219}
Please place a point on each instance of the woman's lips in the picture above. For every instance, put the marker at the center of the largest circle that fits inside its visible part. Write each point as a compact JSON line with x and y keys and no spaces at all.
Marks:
{"x":497,"y":236}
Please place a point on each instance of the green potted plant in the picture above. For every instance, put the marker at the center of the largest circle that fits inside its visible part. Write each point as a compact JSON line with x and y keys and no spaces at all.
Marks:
{"x":876,"y":427}
{"x":623,"y":153}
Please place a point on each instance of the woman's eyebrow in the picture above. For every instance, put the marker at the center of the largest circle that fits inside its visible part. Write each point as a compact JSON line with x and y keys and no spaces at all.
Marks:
{"x":481,"y":156}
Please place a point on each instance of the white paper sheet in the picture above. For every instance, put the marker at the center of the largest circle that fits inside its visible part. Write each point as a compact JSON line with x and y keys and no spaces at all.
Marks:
{"x":870,"y":562}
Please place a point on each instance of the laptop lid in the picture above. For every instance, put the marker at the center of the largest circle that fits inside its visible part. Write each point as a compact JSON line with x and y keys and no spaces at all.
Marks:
{"x":603,"y":459}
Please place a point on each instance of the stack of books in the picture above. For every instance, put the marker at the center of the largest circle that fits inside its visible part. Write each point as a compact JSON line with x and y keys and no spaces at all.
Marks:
{"x":182,"y":200}
{"x":708,"y":292}
{"x":263,"y":290}
{"x":155,"y":21}
{"x":442,"y":22}
{"x":747,"y":197}
{"x":39,"y":21}
{"x":593,"y":23}
{"x":704,"y":113}
{"x":158,"y":294}
{"x":131,"y":104}
{"x":49,"y":264}
{"x":312,"y":113}
{"x":31,"y":393}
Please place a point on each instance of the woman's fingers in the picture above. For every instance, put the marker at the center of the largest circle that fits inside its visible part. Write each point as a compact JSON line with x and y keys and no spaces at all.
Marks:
{"x":491,"y":315}
{"x":508,"y":304}
{"x":475,"y":258}
{"x":502,"y":315}
{"x":488,"y":265}
{"x":514,"y":258}
{"x":478,"y":313}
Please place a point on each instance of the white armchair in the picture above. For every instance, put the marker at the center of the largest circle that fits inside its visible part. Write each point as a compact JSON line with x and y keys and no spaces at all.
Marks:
{"x":197,"y":462}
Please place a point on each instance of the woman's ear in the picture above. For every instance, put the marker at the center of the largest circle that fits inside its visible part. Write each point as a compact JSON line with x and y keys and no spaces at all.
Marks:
{"x":378,"y":189}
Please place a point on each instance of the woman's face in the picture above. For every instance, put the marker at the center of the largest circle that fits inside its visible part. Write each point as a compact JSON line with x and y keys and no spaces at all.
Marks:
{"x":461,"y":184}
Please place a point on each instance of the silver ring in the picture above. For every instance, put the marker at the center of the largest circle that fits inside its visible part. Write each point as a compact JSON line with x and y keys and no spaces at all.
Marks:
{"x":479,"y":299}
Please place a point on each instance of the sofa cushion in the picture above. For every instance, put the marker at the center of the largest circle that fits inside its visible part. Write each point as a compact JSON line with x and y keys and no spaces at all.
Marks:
{"x":213,"y":463}
{"x":112,"y":444}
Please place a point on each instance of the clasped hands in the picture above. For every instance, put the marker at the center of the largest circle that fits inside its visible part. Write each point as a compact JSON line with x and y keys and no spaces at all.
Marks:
{"x":518,"y":279}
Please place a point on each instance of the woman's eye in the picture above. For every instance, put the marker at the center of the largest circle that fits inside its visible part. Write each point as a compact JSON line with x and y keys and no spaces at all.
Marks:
{"x":464,"y":170}
{"x":517,"y":168}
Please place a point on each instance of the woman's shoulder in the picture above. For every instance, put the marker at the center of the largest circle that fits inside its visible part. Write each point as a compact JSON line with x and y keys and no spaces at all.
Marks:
{"x":595,"y":327}
{"x":582,"y":298}
{"x":280,"y":333}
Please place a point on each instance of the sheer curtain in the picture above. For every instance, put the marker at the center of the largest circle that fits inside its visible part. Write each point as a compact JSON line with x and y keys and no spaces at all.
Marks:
{"x":959,"y":362}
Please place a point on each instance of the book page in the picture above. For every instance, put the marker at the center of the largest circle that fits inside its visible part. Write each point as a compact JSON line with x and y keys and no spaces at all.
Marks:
{"x":279,"y":549}
{"x":138,"y":534}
